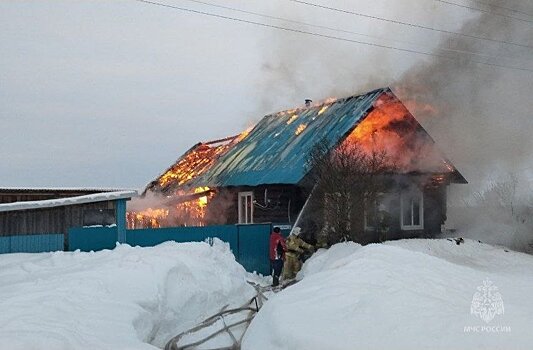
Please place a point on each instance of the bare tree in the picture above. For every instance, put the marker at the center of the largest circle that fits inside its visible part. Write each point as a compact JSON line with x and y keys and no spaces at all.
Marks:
{"x":507,"y":203}
{"x":349,"y":181}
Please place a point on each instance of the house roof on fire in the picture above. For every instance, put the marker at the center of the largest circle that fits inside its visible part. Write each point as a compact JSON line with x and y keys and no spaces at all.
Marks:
{"x":276,"y":150}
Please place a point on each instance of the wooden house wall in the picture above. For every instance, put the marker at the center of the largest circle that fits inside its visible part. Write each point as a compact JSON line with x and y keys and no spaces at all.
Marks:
{"x":283,"y":204}
{"x":47,"y":220}
{"x":434,"y":217}
{"x":223,"y":209}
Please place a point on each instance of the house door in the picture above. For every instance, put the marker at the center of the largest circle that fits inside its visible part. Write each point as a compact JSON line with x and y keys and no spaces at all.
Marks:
{"x":246,"y":207}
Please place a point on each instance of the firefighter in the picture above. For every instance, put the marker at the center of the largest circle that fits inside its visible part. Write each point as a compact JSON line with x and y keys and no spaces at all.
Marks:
{"x":277,"y":254}
{"x":295,"y":248}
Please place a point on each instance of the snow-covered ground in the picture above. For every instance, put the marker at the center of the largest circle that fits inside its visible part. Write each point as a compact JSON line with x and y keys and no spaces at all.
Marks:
{"x":127,"y":298}
{"x":410,"y":294}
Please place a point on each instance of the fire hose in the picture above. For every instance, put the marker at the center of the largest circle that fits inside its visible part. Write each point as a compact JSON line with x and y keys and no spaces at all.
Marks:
{"x":251,"y":308}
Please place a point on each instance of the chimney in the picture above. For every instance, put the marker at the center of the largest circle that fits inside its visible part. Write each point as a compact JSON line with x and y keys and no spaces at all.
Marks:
{"x":308,"y":102}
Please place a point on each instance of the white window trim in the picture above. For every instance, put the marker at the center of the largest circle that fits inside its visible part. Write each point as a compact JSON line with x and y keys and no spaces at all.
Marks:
{"x":243,"y":218}
{"x":420,"y":213}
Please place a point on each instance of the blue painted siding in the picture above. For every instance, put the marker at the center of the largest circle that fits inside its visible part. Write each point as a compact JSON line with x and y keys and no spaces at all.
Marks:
{"x":120,"y":214}
{"x":92,"y":238}
{"x":5,"y":244}
{"x":254,"y":241}
{"x":31,"y":243}
{"x":249,"y":243}
{"x":151,"y":237}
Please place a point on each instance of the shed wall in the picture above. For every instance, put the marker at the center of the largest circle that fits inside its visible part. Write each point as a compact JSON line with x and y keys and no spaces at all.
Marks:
{"x":47,"y":220}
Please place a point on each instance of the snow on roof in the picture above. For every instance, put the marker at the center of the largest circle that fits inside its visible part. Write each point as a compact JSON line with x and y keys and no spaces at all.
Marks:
{"x":58,"y":189}
{"x":49,"y":203}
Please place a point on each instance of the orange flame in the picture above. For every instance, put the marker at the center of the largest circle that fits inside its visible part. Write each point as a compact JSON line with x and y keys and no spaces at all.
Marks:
{"x":149,"y":218}
{"x":190,"y":210}
{"x":186,"y":207}
{"x":300,"y":129}
{"x":243,"y":135}
{"x":323,"y":109}
{"x":292,"y":118}
{"x":193,"y":212}
{"x":198,"y":160}
{"x":391,"y":128}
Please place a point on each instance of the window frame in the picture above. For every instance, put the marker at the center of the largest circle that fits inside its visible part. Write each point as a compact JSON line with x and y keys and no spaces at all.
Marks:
{"x":410,"y":194}
{"x":243,"y":217}
{"x":98,"y":216}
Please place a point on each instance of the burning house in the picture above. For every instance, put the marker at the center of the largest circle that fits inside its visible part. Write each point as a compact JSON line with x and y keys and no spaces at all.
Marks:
{"x":263,"y":174}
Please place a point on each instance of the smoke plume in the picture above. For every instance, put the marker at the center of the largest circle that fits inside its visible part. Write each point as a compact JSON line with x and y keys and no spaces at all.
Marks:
{"x":481,"y":115}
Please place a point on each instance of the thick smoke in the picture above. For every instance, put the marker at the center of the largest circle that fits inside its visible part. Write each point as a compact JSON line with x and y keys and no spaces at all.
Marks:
{"x":484,"y":123}
{"x":482,"y":115}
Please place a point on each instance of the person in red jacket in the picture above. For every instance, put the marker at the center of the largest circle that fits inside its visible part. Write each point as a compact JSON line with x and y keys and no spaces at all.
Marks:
{"x":277,"y":254}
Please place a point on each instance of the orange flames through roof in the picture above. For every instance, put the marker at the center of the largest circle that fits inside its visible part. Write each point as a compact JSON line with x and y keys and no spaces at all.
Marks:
{"x":391,"y":128}
{"x":190,"y":210}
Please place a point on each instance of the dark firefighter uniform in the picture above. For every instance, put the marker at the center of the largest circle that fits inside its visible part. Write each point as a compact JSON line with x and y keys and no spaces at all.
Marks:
{"x":295,"y":248}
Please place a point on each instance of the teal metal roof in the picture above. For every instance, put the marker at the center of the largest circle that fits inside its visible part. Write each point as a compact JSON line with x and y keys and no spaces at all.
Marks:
{"x":278,"y":147}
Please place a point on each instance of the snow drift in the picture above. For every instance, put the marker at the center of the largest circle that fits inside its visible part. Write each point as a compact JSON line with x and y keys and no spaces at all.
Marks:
{"x":411,"y":294}
{"x":127,"y":298}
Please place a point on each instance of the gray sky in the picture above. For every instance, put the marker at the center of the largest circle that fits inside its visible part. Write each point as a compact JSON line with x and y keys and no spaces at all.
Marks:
{"x":110,"y":93}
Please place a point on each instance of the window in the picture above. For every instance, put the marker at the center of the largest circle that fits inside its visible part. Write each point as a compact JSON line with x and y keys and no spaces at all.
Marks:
{"x":376,"y":213}
{"x":412,"y":210}
{"x":246,"y":207}
{"x":104,"y":217}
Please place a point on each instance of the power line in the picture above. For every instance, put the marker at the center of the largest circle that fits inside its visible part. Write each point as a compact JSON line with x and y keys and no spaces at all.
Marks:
{"x":409,"y":24}
{"x":484,"y":11}
{"x":347,"y":31}
{"x":327,"y":36}
{"x":486,"y":3}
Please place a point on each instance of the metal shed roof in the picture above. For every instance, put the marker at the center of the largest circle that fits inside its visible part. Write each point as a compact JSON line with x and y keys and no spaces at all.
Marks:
{"x":60,"y":202}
